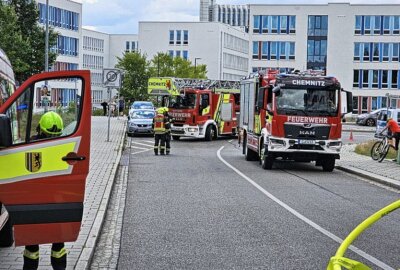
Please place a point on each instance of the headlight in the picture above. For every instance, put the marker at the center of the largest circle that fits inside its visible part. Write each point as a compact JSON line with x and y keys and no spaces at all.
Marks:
{"x":335,"y":144}
{"x":132,"y":125}
{"x":192,"y":129}
{"x":277,"y":142}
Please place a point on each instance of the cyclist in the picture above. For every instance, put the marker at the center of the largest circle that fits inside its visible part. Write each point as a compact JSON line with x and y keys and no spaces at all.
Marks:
{"x":394,"y":128}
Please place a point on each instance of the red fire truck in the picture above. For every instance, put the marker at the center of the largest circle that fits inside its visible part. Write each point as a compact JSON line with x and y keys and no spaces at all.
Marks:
{"x":200,"y":108}
{"x":42,"y":180}
{"x":292,"y":117}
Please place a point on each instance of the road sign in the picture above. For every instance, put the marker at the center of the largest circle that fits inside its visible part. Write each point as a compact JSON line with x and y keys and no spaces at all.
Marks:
{"x":112,"y":77}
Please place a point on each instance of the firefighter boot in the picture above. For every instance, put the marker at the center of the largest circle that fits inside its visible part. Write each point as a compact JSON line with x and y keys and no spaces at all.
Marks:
{"x":156,"y":150}
{"x":31,"y":257}
{"x":58,"y":256}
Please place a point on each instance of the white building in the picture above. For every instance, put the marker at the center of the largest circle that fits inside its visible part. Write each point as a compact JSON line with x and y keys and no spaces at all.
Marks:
{"x":223,"y":48}
{"x":235,"y":15}
{"x":359,"y":44}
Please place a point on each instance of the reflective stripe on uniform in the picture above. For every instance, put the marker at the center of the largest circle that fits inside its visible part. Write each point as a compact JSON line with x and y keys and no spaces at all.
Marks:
{"x":45,"y":157}
{"x":31,"y":255}
{"x":58,"y":254}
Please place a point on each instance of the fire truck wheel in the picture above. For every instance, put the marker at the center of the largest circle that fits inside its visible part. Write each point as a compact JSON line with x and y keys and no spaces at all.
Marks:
{"x":267,"y":163}
{"x":210,"y":133}
{"x":6,"y":235}
{"x":328,"y":164}
{"x":176,"y":138}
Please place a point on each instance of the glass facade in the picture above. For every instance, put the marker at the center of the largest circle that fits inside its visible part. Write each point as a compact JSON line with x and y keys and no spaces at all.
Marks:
{"x":317,"y":42}
{"x":377,"y":25}
{"x":267,"y":24}
{"x":273,"y":50}
{"x":59,"y":17}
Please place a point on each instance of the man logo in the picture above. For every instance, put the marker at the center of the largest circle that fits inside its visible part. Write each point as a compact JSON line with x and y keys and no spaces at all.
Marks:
{"x":33,"y":161}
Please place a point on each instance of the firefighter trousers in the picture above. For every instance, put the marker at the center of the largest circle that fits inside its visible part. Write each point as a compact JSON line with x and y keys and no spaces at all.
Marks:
{"x":159,"y":143}
{"x":58,"y":257}
{"x":168,"y":143}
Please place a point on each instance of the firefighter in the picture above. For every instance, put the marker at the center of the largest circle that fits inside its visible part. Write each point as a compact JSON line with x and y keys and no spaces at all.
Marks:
{"x":50,"y":125}
{"x":168,"y":121}
{"x":159,"y":123}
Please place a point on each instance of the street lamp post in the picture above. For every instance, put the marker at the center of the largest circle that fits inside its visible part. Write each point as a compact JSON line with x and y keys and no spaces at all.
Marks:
{"x":46,"y":64}
{"x":195,"y":65}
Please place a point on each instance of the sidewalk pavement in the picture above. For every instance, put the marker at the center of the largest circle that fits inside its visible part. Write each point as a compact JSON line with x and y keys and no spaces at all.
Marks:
{"x":357,"y":128}
{"x":104,"y":162}
{"x":386,"y":172}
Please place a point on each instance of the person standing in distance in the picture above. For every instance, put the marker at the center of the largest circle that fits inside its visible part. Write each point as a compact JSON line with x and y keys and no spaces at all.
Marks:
{"x":50,"y":125}
{"x":168,"y":121}
{"x":159,"y":122}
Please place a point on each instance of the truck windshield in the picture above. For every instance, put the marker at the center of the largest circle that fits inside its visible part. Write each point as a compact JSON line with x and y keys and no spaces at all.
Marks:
{"x":315,"y":102}
{"x":188,"y":101}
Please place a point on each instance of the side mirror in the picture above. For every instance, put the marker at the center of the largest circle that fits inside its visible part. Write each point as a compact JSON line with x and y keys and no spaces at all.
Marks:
{"x":349,"y":97}
{"x":277,"y":90}
{"x":5,"y":131}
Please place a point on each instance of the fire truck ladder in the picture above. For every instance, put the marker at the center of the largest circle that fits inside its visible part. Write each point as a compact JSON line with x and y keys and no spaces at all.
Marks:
{"x":216,"y":85}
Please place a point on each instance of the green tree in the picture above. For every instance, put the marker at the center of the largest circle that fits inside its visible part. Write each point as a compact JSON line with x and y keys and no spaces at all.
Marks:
{"x":27,"y":21}
{"x":163,"y":65}
{"x":136,"y":75}
{"x":11,"y":39}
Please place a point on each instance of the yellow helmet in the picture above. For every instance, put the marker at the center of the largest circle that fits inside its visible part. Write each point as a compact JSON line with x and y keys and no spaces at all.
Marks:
{"x":160,"y":110}
{"x":51,"y":123}
{"x":166,"y":109}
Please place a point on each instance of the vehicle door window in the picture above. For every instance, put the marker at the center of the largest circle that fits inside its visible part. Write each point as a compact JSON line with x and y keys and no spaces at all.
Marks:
{"x":205,"y":102}
{"x":46,"y":109}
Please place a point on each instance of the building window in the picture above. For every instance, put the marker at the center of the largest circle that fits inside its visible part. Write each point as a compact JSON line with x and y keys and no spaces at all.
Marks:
{"x":127,"y":46}
{"x":375,"y":52}
{"x":364,"y":105}
{"x":59,"y":17}
{"x":375,"y":78}
{"x":385,"y":52}
{"x":264,"y":24}
{"x":185,"y":55}
{"x":171,"y":53}
{"x":377,"y":25}
{"x":357,"y":51}
{"x":365,"y":78}
{"x":355,"y":105}
{"x":395,"y":52}
{"x":396,"y":25}
{"x":366,"y":54}
{"x":171,"y":37}
{"x":274,"y":50}
{"x":178,"y":37}
{"x":185,"y":37}
{"x":133,"y":46}
{"x":395,"y":79}
{"x":357,"y":30}
{"x":386,"y":25}
{"x":292,"y":24}
{"x":367,"y":25}
{"x":256,"y":24}
{"x":385,"y":83}
{"x":264,"y":50}
{"x":291,"y":50}
{"x":255,"y":49}
{"x":177,"y":53}
{"x":274,"y":24}
{"x":282,"y":50}
{"x":356,"y":78}
{"x":283,"y":26}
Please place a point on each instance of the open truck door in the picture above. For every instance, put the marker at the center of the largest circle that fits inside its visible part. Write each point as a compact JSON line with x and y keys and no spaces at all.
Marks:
{"x":42,"y":180}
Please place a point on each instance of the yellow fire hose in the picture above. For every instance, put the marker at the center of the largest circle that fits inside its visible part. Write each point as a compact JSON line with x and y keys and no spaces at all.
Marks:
{"x":338,"y":261}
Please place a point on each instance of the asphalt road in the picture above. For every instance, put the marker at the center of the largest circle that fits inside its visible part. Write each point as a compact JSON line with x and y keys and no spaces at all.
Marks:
{"x":205,"y":207}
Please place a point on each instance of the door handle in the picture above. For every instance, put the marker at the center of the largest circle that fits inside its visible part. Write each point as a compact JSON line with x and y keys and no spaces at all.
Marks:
{"x":73,"y":157}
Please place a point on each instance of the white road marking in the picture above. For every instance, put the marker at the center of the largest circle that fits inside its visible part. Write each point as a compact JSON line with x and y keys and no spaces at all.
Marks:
{"x":143,"y":144}
{"x":303,"y":218}
{"x":137,"y":147}
{"x":141,"y":151}
{"x":148,"y":141}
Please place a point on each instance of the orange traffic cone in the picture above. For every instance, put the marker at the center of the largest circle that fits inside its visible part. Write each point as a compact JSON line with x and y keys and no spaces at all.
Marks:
{"x":351,"y":136}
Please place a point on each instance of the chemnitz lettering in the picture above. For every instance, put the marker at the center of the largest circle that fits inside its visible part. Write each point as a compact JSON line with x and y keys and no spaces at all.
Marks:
{"x":308,"y":82}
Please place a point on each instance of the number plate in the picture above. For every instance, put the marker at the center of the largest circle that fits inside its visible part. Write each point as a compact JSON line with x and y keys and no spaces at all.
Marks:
{"x":306,"y":142}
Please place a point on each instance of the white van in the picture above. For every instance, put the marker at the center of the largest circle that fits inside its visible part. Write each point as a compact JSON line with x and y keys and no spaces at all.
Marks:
{"x":382,"y":117}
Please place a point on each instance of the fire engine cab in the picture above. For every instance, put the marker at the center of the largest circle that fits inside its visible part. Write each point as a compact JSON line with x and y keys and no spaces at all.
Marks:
{"x":199,"y":108}
{"x":292,"y":117}
{"x":42,"y":179}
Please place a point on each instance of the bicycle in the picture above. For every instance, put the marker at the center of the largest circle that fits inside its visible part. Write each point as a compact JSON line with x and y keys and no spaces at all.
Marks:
{"x":381,"y":148}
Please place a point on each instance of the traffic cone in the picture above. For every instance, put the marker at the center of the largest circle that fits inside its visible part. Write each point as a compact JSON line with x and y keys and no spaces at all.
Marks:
{"x":351,"y":136}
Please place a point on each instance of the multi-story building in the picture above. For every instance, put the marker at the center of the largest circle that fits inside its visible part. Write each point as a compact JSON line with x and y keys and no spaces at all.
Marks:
{"x":235,"y":15}
{"x":65,"y":17}
{"x":223,"y":48}
{"x":359,"y":44}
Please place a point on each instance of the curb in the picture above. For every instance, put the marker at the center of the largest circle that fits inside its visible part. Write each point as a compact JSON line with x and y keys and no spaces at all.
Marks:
{"x":371,"y":176}
{"x":359,"y":131}
{"x":87,"y":253}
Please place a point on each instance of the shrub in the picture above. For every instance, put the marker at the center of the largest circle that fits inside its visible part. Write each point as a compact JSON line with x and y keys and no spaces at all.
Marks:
{"x":365,"y":149}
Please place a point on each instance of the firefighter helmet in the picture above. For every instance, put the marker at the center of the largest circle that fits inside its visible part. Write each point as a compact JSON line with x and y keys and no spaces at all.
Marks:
{"x":165,"y":109}
{"x":160,"y":110}
{"x":51,"y":123}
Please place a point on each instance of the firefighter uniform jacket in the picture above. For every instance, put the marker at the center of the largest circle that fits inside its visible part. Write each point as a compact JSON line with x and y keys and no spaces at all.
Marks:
{"x":159,"y":124}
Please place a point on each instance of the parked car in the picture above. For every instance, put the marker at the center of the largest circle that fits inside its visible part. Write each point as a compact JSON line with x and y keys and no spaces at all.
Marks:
{"x":140,"y":122}
{"x":141,"y":105}
{"x":382,"y":117}
{"x":368,"y":119}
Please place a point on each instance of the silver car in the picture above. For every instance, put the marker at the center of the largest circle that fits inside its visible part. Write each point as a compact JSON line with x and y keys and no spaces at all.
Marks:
{"x":140,"y":122}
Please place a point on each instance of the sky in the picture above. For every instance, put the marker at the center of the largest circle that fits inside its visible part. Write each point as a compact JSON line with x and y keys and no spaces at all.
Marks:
{"x":122,"y":16}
